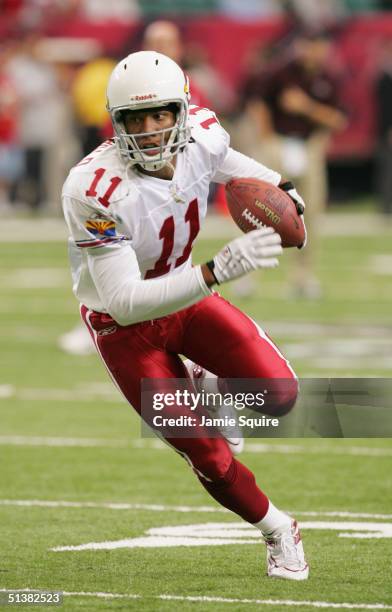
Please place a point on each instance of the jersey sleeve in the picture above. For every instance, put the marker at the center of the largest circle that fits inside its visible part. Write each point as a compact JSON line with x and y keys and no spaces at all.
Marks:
{"x":238,"y":165}
{"x":89,"y":223}
{"x":209,"y":133}
{"x":128,"y":299}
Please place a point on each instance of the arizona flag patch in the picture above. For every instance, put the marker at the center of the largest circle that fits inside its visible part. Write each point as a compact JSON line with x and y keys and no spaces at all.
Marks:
{"x":100,"y":227}
{"x":102,"y":231}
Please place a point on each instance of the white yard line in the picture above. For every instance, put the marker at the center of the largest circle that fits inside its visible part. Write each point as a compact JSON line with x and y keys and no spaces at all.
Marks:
{"x":65,"y":395}
{"x":282,"y":449}
{"x":278,"y":602}
{"x":108,"y":505}
{"x":154,"y":444}
{"x":166,"y":508}
{"x":62,"y":442}
{"x":225,"y":600}
{"x":80,"y":394}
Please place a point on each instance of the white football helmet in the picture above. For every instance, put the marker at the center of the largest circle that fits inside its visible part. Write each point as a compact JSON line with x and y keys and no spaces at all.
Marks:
{"x":148,"y":80}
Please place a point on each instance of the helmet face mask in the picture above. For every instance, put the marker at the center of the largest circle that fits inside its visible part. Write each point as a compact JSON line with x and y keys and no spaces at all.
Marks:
{"x":143,"y":81}
{"x":171,"y":139}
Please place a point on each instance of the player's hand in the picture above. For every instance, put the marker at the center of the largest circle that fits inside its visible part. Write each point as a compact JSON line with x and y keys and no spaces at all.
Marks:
{"x":296,"y":101}
{"x":300,"y":206}
{"x":291,"y":191}
{"x":298,"y":201}
{"x":255,"y":250}
{"x":289,"y":188}
{"x":303,"y":245}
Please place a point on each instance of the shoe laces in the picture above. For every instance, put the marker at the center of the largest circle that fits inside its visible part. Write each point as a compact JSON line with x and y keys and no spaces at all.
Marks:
{"x":290,"y":549}
{"x":285,"y":547}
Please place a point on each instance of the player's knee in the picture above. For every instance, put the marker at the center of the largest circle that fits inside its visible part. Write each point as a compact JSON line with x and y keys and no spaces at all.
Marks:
{"x":215,"y":462}
{"x":279,"y":395}
{"x":282,"y":396}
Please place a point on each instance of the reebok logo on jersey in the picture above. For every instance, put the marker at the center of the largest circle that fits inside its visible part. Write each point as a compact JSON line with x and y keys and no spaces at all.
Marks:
{"x":107,"y":331}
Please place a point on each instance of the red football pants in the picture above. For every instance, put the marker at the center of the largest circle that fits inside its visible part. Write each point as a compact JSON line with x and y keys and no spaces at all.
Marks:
{"x":217,"y":336}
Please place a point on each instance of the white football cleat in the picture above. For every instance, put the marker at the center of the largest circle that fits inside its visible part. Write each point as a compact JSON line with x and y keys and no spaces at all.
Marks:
{"x":205,"y":380}
{"x":285,"y":553}
{"x":233,"y":435}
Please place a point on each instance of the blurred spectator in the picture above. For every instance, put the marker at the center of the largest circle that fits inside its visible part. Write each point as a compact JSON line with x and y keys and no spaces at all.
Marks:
{"x":293,"y":109}
{"x":29,"y":15}
{"x":89,"y":100}
{"x":384,"y":118}
{"x":314,"y":16}
{"x":11,"y":155}
{"x":41,"y":105}
{"x":220,"y":96}
{"x":165,"y":37}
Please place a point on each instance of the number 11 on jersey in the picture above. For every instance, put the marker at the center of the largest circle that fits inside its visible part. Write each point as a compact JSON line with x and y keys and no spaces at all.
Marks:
{"x":166,"y":234}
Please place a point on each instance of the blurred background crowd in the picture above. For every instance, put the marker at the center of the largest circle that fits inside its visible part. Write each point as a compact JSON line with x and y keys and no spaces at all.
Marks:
{"x":303,"y":86}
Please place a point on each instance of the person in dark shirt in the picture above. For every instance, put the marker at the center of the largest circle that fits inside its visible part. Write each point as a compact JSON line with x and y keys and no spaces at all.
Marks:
{"x":293,"y":106}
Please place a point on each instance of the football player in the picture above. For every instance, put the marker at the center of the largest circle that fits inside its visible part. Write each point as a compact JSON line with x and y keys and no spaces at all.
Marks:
{"x":134,"y":208}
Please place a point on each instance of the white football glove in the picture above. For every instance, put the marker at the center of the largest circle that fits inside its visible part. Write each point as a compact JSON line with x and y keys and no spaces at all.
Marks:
{"x":289,"y":188}
{"x":257,"y":249}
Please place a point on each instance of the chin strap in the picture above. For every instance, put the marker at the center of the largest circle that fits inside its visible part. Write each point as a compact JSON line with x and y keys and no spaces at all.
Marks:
{"x":129,"y":165}
{"x":170,"y":165}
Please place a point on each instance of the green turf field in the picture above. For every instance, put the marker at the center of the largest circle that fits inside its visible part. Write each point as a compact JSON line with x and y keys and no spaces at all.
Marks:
{"x":75,"y":471}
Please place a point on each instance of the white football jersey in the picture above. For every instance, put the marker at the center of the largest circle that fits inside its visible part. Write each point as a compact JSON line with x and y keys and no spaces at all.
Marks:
{"x":108,"y":204}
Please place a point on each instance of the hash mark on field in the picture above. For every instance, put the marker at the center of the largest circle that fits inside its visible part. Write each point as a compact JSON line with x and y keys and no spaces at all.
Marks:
{"x":164,"y":508}
{"x":228,"y":600}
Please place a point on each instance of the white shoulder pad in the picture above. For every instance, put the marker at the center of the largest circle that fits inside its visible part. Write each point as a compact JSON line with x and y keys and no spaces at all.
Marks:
{"x":208,"y":132}
{"x":91,"y":187}
{"x":98,"y":179}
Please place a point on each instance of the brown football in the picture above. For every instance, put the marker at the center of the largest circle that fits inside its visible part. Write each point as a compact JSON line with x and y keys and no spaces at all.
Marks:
{"x":254,"y":203}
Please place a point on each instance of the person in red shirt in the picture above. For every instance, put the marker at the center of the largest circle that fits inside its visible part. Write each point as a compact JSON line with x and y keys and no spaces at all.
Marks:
{"x":165,"y":37}
{"x":11,"y":155}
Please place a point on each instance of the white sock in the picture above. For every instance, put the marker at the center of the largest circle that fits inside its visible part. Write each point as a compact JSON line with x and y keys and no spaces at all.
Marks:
{"x":273,"y":520}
